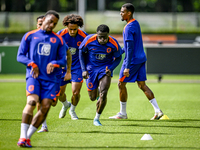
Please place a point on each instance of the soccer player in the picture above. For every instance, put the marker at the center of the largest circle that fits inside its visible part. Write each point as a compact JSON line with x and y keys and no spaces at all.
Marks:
{"x":66,"y":78}
{"x":39,"y":21}
{"x":42,"y":51}
{"x":73,"y":37}
{"x":99,"y":55}
{"x":133,"y":67}
{"x":44,"y":124}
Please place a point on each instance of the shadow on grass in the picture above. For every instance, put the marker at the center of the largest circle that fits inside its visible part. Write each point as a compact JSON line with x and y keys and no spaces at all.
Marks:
{"x":85,"y":118}
{"x":107,"y":132}
{"x":160,"y":123}
{"x":148,"y":120}
{"x":104,"y":132}
{"x":167,"y":126}
{"x":111,"y":147}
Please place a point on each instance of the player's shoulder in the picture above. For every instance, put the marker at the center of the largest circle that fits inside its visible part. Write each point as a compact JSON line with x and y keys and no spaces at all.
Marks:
{"x":133,"y":23}
{"x":113,"y":41}
{"x":112,"y":38}
{"x":29,"y":33}
{"x":59,"y":37}
{"x":82,"y":33}
{"x":62,"y":32}
{"x":90,"y":38}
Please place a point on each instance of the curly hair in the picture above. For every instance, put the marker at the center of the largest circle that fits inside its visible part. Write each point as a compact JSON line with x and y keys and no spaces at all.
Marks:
{"x":73,"y":19}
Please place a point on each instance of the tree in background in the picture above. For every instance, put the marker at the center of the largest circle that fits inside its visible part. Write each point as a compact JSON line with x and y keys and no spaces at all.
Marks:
{"x":71,"y":5}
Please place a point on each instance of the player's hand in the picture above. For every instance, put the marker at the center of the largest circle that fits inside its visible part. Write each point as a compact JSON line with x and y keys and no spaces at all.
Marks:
{"x":126,"y":72}
{"x":35,"y":72}
{"x":108,"y":72}
{"x":50,"y":68}
{"x":85,"y":75}
{"x":68,"y":76}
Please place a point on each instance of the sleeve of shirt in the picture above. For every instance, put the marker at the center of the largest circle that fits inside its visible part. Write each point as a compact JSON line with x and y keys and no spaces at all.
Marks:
{"x":67,"y":47}
{"x":129,"y":33}
{"x":115,"y":63}
{"x":61,"y":61}
{"x":130,"y":49}
{"x":118,"y":57}
{"x":22,"y":52}
{"x":129,"y":42}
{"x":123,"y":50}
{"x":82,"y":53}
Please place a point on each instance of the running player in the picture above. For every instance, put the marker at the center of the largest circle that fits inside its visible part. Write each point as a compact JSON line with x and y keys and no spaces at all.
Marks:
{"x":65,"y":76}
{"x":42,"y":51}
{"x":99,"y":55}
{"x":44,"y":124}
{"x":73,"y":37}
{"x":133,"y":67}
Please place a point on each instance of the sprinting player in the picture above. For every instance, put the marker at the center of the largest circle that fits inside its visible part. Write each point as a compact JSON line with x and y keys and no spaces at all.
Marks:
{"x":39,"y":21}
{"x":66,"y":77}
{"x":99,"y":55}
{"x":133,"y":67}
{"x":73,"y":37}
{"x":42,"y":51}
{"x":44,"y":124}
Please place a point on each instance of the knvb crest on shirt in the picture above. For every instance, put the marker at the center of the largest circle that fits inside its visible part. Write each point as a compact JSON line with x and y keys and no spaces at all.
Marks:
{"x":72,"y":50}
{"x":44,"y":49}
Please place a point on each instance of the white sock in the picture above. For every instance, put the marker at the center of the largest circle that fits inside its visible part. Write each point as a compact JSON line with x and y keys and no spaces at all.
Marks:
{"x":155,"y":105}
{"x":65,"y":103}
{"x":24,"y":129}
{"x":123,"y":108}
{"x":31,"y":130}
{"x":97,"y":116}
{"x":44,"y":124}
{"x":72,"y":108}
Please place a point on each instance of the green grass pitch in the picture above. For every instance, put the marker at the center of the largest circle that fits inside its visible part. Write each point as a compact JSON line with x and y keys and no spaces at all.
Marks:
{"x":180,"y":101}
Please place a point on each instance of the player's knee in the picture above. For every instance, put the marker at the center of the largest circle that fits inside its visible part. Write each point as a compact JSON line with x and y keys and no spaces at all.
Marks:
{"x":76,"y":94}
{"x":28,"y":109}
{"x":139,"y":86}
{"x":45,"y":109}
{"x":142,"y":85}
{"x":93,"y":98}
{"x":120,"y":85}
{"x":103,"y":94}
{"x":62,"y":94}
{"x":31,"y":103}
{"x":54,"y":103}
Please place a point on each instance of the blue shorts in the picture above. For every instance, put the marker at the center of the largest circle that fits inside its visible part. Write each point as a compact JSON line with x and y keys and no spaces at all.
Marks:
{"x":57,"y":89}
{"x":62,"y":82}
{"x":44,"y":89}
{"x":94,"y":76}
{"x":137,"y":73}
{"x":77,"y":75}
